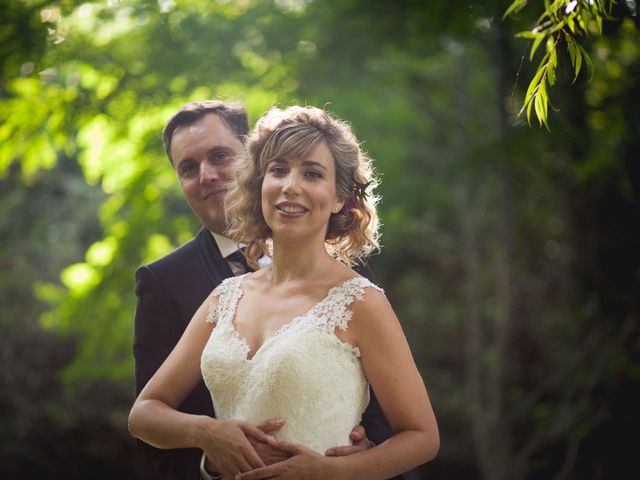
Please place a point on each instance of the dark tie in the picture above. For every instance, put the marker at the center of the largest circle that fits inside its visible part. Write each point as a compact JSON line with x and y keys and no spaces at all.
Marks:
{"x":240,"y":261}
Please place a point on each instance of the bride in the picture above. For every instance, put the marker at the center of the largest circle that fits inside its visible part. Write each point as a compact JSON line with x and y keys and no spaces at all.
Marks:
{"x":303,"y":338}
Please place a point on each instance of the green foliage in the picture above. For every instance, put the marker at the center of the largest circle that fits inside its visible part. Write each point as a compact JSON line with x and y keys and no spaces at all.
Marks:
{"x":491,"y":231}
{"x":561,"y":23}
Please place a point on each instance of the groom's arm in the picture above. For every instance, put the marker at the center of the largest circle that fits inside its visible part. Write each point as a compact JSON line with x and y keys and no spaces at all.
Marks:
{"x":158,"y":327}
{"x":376,"y":425}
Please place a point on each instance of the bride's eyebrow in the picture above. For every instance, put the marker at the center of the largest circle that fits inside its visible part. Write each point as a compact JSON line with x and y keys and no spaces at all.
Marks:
{"x":311,"y":163}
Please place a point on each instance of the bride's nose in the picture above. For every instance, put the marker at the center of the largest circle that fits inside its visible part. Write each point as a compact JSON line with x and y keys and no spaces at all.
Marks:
{"x":291,"y":183}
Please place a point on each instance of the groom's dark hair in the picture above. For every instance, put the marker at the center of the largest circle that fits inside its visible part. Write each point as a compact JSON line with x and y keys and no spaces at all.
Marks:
{"x":231,"y":113}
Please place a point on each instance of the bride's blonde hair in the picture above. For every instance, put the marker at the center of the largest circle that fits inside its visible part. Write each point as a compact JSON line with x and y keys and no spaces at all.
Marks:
{"x":293,"y":133}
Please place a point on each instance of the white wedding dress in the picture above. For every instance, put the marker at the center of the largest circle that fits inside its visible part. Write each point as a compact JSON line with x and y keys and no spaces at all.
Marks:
{"x":303,"y":373}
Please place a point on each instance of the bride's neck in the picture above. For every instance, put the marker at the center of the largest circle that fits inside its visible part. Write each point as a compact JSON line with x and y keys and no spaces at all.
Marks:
{"x":296,"y":262}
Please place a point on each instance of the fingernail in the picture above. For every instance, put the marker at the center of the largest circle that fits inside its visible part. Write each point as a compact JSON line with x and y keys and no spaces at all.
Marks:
{"x":329,"y":453}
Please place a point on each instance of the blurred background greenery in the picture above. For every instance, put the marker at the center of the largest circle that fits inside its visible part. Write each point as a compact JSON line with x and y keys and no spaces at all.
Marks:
{"x":511,"y":253}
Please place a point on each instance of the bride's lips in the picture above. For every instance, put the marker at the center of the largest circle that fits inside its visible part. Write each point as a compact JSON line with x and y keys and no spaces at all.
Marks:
{"x":291,"y":209}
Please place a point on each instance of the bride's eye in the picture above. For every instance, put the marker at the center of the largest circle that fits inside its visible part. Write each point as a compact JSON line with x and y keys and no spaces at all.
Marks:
{"x":277,"y":170}
{"x":313,"y":174}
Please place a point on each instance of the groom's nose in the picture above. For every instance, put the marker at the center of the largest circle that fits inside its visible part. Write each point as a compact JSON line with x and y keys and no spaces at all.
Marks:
{"x":208,"y":172}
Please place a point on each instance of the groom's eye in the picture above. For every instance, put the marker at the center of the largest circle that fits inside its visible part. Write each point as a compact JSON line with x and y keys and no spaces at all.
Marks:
{"x":219,"y":156}
{"x":187,"y":168}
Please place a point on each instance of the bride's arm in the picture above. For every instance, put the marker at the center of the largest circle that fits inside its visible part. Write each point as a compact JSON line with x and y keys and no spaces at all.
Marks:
{"x":393,"y":375}
{"x":155,"y":420}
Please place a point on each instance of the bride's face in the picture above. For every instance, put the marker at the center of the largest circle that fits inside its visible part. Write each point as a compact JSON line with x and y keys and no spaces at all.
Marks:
{"x":299,"y":195}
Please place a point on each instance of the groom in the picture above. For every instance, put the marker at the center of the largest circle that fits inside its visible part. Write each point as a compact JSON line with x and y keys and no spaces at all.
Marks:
{"x":203,"y":141}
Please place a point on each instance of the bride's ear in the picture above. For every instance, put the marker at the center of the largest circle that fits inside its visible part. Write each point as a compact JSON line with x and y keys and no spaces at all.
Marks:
{"x":338,"y":206}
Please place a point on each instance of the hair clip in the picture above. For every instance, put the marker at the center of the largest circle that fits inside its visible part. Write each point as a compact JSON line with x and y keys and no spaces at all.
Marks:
{"x":360,"y":189}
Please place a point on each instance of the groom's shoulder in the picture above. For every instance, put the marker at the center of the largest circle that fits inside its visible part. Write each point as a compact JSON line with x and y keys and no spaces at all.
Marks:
{"x":183,"y":257}
{"x":362,"y":268}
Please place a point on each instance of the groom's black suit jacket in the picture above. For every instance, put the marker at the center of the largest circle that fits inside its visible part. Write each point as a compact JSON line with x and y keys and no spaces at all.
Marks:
{"x":169,"y":292}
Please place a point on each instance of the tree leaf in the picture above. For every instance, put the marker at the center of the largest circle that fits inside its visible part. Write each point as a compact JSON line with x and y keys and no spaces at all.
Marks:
{"x":553,"y":56}
{"x":536,"y":43}
{"x":551,"y":74}
{"x":515,"y":7}
{"x":528,"y":34}
{"x":538,"y":108}
{"x":578,"y":63}
{"x":587,"y":59}
{"x":529,"y":112}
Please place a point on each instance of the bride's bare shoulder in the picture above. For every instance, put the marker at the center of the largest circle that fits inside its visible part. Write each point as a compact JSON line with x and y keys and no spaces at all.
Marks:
{"x":372,"y":308}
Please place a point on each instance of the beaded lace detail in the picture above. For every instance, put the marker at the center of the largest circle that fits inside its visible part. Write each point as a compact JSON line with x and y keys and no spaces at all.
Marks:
{"x":303,"y":373}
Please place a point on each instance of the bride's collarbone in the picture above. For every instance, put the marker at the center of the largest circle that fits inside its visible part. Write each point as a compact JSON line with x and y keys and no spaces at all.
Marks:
{"x":278,"y":295}
{"x":273,"y":308}
{"x":263,"y":311}
{"x":260,"y":316}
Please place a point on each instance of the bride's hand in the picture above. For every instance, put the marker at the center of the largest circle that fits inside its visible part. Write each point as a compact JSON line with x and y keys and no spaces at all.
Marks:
{"x":304,"y":464}
{"x":229,"y":447}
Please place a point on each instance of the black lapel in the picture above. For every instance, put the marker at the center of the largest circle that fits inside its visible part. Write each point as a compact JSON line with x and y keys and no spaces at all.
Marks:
{"x":217,"y":268}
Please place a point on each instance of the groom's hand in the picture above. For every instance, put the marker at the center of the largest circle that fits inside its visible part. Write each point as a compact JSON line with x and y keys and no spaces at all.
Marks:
{"x":267,"y":453}
{"x":229,"y":447}
{"x":303,"y":464}
{"x":360,"y":443}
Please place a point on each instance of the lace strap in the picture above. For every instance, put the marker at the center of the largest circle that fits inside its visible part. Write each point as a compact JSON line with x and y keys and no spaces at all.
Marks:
{"x":228,"y":293}
{"x":334,"y":310}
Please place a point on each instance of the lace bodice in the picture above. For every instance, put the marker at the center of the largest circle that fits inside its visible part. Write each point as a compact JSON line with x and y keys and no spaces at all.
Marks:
{"x":303,"y":373}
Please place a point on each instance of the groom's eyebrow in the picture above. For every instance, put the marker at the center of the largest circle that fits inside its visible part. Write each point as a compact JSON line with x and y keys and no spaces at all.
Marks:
{"x":218,"y":149}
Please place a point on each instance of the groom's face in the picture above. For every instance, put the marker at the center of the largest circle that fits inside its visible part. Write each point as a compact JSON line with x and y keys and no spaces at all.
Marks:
{"x":204,"y":154}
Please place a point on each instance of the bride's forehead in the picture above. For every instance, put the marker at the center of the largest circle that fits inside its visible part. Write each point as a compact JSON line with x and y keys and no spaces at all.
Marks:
{"x":320,"y":154}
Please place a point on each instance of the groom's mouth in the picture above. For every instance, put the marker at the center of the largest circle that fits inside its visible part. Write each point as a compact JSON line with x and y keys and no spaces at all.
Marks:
{"x":214,"y":194}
